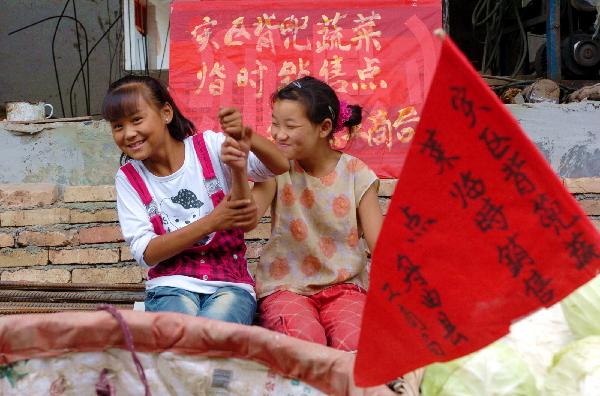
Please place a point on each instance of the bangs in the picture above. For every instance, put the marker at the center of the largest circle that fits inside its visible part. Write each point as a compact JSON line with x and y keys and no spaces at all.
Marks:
{"x":123,"y":102}
{"x":288,"y":92}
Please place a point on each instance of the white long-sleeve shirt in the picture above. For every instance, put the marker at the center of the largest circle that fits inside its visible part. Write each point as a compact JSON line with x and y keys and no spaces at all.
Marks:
{"x":181,"y":198}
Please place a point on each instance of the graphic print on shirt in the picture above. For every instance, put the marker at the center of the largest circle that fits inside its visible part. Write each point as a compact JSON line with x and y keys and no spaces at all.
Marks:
{"x":181,"y":210}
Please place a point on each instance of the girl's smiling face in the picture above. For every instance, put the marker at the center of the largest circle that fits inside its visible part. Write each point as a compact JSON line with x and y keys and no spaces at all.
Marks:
{"x":293,"y":132}
{"x":143,"y":129}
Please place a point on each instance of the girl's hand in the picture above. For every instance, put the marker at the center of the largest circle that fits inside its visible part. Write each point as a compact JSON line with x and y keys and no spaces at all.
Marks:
{"x":234,"y":214}
{"x":234,"y":154}
{"x":230,"y":119}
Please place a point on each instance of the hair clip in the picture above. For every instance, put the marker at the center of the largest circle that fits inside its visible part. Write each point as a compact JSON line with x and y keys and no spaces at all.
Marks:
{"x":332,"y":113}
{"x":297,"y":84}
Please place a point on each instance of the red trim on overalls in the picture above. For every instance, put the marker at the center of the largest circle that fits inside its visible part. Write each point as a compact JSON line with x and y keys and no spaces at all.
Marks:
{"x":223,"y":258}
{"x":140,"y":187}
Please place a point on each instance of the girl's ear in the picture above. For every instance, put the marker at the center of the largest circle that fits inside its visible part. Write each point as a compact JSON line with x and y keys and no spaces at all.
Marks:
{"x":326,"y":128}
{"x":167,"y":113}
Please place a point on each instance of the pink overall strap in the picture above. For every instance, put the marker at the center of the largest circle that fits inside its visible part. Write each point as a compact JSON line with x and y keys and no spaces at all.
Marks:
{"x":207,"y":169}
{"x":137,"y":183}
{"x":139,"y":186}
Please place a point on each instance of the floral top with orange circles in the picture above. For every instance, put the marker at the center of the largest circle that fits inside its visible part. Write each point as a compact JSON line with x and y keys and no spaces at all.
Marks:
{"x":315,"y":234}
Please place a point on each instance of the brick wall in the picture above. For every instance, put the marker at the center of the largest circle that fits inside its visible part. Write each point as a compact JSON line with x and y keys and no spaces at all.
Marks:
{"x":55,"y":234}
{"x":59,"y":234}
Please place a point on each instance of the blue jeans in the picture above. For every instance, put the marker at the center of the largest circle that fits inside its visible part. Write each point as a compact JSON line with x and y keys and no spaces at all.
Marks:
{"x":229,"y":303}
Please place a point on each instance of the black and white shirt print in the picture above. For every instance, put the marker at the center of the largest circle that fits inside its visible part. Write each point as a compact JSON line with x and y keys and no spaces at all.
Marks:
{"x":181,"y":210}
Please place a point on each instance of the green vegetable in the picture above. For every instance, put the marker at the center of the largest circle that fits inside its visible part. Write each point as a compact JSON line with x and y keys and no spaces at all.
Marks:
{"x":576,"y":370}
{"x":496,"y":370}
{"x":582,"y":309}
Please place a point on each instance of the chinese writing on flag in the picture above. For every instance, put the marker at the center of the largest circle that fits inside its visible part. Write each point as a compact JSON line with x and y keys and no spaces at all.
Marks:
{"x":479,"y":233}
{"x":370,"y":51}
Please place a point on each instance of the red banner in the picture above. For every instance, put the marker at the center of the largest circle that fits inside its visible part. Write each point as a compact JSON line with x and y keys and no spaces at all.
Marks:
{"x":227,"y":53}
{"x":479,"y":233}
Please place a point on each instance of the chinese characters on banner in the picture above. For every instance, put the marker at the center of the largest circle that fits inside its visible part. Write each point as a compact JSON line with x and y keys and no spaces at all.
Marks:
{"x":479,"y":233}
{"x":372,"y":52}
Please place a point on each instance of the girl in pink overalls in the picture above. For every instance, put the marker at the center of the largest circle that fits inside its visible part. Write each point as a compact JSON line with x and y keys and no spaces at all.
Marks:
{"x":181,"y":210}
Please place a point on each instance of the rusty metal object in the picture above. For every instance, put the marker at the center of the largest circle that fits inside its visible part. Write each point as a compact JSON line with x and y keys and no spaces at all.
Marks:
{"x":27,"y":308}
{"x":4,"y":285}
{"x":29,"y":297}
{"x":108,"y":297}
{"x":512,"y":95}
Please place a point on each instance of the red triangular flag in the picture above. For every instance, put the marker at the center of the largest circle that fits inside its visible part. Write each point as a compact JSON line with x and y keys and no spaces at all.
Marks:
{"x":479,"y":233}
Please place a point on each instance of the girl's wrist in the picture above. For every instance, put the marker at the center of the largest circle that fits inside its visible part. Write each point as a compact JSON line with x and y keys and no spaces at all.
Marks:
{"x":240,"y":172}
{"x":206,"y":225}
{"x":252,"y":141}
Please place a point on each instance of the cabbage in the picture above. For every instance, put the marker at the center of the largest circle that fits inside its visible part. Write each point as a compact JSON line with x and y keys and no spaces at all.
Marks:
{"x":576,"y":370}
{"x":539,"y":350}
{"x":496,"y":370}
{"x":538,"y":337}
{"x":582,"y":310}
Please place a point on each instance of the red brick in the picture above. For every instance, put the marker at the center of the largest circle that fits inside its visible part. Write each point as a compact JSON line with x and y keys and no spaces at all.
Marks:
{"x":89,"y":194}
{"x":384,"y":204}
{"x":583,"y":185}
{"x":254,"y":249}
{"x":98,"y":216}
{"x":6,"y":240}
{"x":47,"y":238}
{"x":126,"y":253}
{"x":102,"y":234}
{"x":387,"y":187}
{"x":27,"y":195}
{"x":84,"y":256}
{"x":41,"y":276}
{"x":20,"y":218}
{"x":591,"y":207}
{"x":23,"y":257}
{"x":129,"y":274}
{"x":252,"y":264}
{"x":262,"y":231}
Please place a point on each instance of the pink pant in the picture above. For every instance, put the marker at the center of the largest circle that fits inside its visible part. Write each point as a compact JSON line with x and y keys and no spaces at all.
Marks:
{"x":331,"y":317}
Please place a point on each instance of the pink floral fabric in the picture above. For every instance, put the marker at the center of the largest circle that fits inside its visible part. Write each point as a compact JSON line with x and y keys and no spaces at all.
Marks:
{"x":315,"y":239}
{"x":331,"y":317}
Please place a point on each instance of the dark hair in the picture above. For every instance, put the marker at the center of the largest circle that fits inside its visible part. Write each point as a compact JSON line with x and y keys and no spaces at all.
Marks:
{"x":319,"y":100}
{"x":122,"y":100}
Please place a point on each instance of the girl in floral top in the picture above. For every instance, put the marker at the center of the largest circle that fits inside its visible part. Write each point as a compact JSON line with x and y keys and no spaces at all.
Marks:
{"x":312,"y":274}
